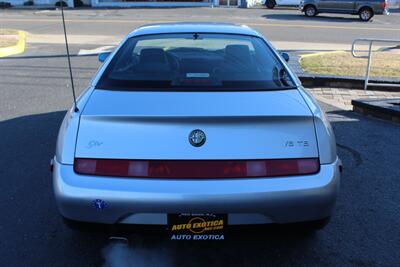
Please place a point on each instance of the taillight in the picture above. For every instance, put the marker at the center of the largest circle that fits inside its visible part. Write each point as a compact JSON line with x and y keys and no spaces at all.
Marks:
{"x":194,"y":169}
{"x":384,"y":4}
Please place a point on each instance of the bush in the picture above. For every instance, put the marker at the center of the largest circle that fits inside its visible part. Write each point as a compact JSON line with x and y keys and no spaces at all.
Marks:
{"x":28,"y":3}
{"x":62,"y":3}
{"x":5,"y":5}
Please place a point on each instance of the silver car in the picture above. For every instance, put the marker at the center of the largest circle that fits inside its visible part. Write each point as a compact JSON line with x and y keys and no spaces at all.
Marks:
{"x":195,"y":118}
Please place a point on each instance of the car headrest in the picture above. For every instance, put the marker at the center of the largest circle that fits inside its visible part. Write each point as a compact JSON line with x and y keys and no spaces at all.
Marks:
{"x":237,"y":53}
{"x":152,"y":55}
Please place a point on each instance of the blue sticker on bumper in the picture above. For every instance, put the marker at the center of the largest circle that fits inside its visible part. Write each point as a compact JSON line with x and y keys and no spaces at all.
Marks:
{"x":99,"y":204}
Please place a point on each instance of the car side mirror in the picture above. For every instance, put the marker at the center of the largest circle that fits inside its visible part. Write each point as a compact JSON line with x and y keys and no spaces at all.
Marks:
{"x":103,"y":56}
{"x":285,"y":56}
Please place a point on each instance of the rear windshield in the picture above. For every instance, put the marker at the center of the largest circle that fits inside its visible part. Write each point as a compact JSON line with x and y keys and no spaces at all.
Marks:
{"x":195,"y":62}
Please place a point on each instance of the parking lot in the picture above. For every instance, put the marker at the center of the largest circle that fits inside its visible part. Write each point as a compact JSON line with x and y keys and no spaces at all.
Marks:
{"x":35,"y":94}
{"x":286,"y":28}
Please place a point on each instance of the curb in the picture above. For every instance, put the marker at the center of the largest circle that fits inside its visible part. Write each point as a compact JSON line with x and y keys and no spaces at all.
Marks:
{"x":14,"y":49}
{"x":378,"y":108}
{"x":345,"y":82}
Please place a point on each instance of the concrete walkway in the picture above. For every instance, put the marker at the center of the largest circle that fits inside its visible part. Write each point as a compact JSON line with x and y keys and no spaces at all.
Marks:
{"x":341,"y":98}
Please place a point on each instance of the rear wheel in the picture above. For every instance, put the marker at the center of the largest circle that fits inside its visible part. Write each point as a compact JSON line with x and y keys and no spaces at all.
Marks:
{"x":366,"y":14}
{"x":270,"y":4}
{"x":111,"y":229}
{"x":310,"y":11}
{"x":86,"y":227}
{"x":313,"y":225}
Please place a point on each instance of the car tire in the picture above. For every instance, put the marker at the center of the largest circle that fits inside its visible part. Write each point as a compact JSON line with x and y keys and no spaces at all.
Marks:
{"x":79,"y":227}
{"x":365,"y":14}
{"x":316,"y":225}
{"x":85,"y":227}
{"x":310,"y":11}
{"x":270,"y":4}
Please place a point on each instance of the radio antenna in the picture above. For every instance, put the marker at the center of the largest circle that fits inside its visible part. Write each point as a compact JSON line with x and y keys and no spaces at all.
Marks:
{"x":62,"y":3}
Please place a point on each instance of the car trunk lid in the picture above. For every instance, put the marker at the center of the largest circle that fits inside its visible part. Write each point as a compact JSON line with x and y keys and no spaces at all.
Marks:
{"x":157,"y":125}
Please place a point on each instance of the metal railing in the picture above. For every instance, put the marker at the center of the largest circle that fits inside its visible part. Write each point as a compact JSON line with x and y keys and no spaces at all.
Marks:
{"x":369,"y":42}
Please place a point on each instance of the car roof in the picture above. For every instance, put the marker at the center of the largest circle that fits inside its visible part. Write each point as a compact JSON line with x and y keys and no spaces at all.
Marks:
{"x":193,"y":27}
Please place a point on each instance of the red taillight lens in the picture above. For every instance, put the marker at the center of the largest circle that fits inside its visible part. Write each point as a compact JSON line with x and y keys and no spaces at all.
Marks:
{"x":384,"y":4}
{"x":194,"y":169}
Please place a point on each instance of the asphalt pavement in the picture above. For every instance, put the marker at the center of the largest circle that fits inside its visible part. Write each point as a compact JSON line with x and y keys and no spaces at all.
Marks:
{"x":35,"y":95}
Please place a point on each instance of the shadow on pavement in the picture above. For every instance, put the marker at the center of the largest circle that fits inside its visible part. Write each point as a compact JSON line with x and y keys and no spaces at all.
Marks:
{"x":244,"y":246}
{"x":31,"y":223}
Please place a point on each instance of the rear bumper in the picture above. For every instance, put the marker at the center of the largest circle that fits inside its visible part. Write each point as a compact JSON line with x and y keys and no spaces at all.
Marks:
{"x":148,"y":201}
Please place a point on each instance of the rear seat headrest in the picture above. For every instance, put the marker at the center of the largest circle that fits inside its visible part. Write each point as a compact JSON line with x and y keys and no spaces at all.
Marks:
{"x":152,"y":55}
{"x":237,"y":53}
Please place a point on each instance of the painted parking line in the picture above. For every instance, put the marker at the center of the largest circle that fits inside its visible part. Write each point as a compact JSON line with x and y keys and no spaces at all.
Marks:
{"x":249,"y":24}
{"x":95,"y":51}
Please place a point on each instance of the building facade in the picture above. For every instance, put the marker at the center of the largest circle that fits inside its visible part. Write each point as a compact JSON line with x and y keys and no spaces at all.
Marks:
{"x":143,"y":3}
{"x":158,"y":3}
{"x":39,"y":3}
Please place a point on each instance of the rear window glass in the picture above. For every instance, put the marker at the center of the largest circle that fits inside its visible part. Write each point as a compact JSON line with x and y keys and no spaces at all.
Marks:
{"x":195,"y":62}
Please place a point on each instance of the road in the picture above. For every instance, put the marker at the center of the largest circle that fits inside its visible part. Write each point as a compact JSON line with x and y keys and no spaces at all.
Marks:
{"x":286,"y":28}
{"x":34,"y":97}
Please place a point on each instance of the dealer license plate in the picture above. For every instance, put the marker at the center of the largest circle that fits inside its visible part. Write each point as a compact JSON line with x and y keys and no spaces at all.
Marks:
{"x":186,"y":226}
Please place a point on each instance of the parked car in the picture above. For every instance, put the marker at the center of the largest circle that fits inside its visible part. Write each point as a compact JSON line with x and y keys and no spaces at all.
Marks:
{"x":365,"y":9}
{"x":272,"y":3}
{"x":195,"y":118}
